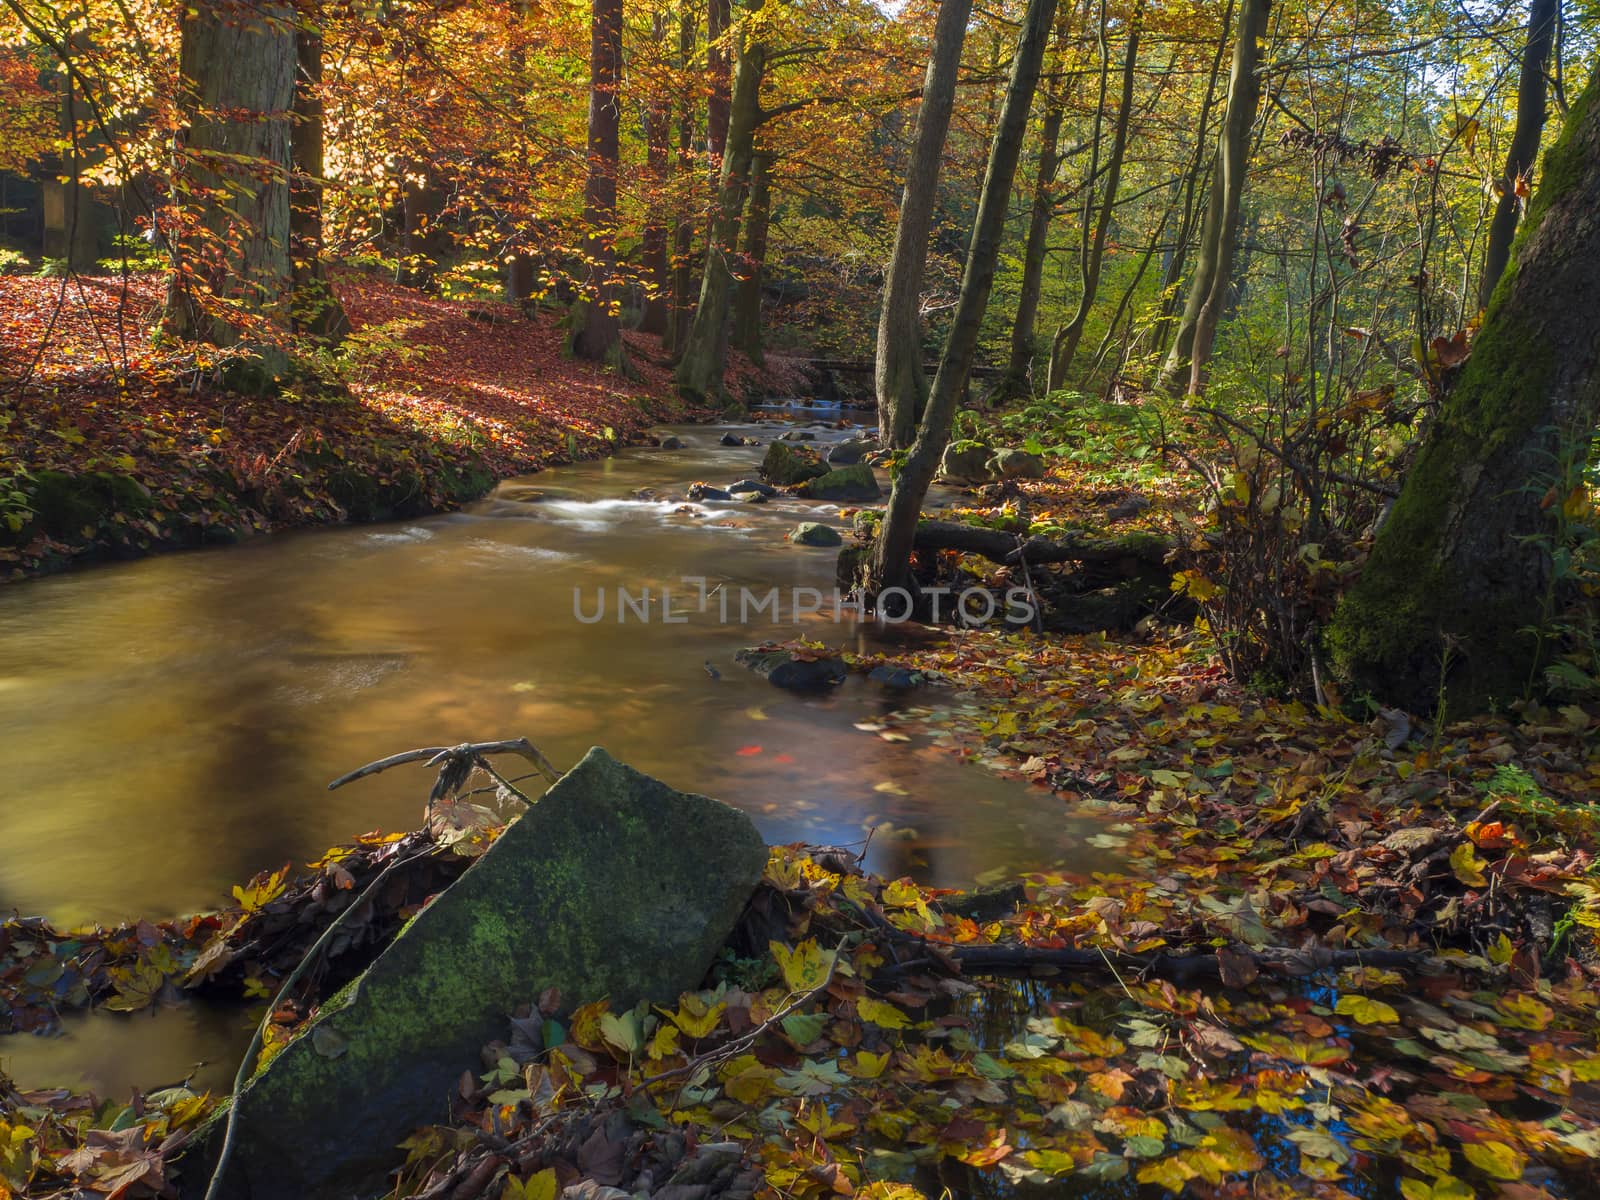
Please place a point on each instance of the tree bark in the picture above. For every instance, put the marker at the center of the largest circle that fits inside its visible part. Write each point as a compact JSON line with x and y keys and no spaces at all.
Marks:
{"x":1191,"y":347}
{"x":1064,"y":346}
{"x":758,"y":218}
{"x":1524,"y":150}
{"x":901,"y":386}
{"x":699,"y":371}
{"x":596,"y":330}
{"x":1463,"y":571}
{"x":236,"y":75}
{"x":317,"y":310}
{"x":891,"y":560}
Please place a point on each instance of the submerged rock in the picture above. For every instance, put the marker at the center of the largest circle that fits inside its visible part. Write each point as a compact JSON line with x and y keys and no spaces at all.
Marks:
{"x":752,"y":485}
{"x":814,"y":533}
{"x":704,"y":491}
{"x":613,"y":885}
{"x":786,"y":464}
{"x":901,"y":678}
{"x":844,"y":483}
{"x":671,"y":443}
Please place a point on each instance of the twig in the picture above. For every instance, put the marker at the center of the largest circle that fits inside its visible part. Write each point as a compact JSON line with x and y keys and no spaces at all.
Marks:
{"x":433,"y":754}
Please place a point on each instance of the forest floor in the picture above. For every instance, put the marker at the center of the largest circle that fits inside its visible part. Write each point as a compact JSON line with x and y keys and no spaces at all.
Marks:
{"x":109,"y":447}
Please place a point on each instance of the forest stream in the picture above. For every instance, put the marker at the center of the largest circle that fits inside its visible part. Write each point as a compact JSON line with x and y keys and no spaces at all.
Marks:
{"x":171,"y":724}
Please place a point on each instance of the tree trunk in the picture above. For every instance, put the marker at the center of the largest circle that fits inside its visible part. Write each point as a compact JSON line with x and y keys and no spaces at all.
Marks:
{"x":658,"y":271}
{"x":699,"y":372}
{"x":316,"y":308}
{"x":747,"y":310}
{"x":891,"y":559}
{"x":719,"y":101}
{"x":1019,"y":371}
{"x":1463,"y":568}
{"x":236,"y":80}
{"x":1524,"y":143}
{"x":1191,"y":347}
{"x":596,"y":331}
{"x":1064,"y":347}
{"x":682,"y":307}
{"x":897,"y":375}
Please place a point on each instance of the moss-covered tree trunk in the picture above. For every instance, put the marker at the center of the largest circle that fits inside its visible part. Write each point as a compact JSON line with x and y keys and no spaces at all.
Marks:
{"x":596,"y":329}
{"x":901,"y":387}
{"x":1208,"y":290}
{"x":891,"y":560}
{"x":758,"y":218}
{"x":236,"y":71}
{"x":1460,"y":571}
{"x":700,"y":368}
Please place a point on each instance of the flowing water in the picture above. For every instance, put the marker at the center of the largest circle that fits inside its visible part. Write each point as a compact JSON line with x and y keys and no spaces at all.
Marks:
{"x":168,"y":726}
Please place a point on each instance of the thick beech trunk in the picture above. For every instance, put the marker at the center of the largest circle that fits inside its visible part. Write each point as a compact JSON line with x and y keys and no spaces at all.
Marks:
{"x":1524,"y":142}
{"x":1208,"y":290}
{"x":1463,"y":567}
{"x":1064,"y":346}
{"x":901,"y":387}
{"x":236,"y":74}
{"x":758,"y":217}
{"x":700,"y":368}
{"x":596,"y":329}
{"x":891,"y":561}
{"x":316,"y":309}
{"x":682,"y":305}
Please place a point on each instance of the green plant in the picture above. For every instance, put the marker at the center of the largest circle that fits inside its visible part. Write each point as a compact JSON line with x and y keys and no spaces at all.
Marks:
{"x":53,"y":268}
{"x":13,"y":262}
{"x":15,"y":512}
{"x":133,"y":253}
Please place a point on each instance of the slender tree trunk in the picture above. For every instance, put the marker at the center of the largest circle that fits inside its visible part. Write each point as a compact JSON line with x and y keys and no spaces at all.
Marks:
{"x":700,"y":369}
{"x":897,"y":373}
{"x":683,"y":237}
{"x":236,"y":78}
{"x":1019,"y":370}
{"x":658,"y":271}
{"x":1463,"y":569}
{"x":1524,"y":151}
{"x":596,"y":330}
{"x":316,"y":308}
{"x":1205,"y":150}
{"x":1219,"y":232}
{"x":747,"y":309}
{"x":719,"y":102}
{"x":1064,"y":347}
{"x":891,"y":559}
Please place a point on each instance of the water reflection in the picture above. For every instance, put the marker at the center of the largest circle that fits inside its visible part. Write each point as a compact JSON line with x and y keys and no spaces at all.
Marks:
{"x":168,"y":726}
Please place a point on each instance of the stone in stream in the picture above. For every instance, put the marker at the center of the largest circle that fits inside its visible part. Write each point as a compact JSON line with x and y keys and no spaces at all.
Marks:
{"x":849,"y":453}
{"x":814,"y":533}
{"x":671,"y":443}
{"x":733,"y":439}
{"x":899,"y":678}
{"x":749,"y":496}
{"x":783,"y":669}
{"x":800,"y":435}
{"x":786,"y":464}
{"x":612,"y":885}
{"x":843,"y":483}
{"x":752,"y":485}
{"x":704,"y":491}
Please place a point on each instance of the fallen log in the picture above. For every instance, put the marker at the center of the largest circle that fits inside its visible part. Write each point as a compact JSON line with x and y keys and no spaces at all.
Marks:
{"x":1012,"y":549}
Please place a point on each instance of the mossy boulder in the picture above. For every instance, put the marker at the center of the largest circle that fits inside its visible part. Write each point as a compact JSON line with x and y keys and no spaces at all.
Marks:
{"x":843,"y":483}
{"x":967,"y":462}
{"x":853,"y":451}
{"x":814,"y":533}
{"x":1017,"y":464}
{"x":612,"y":885}
{"x":787,"y":464}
